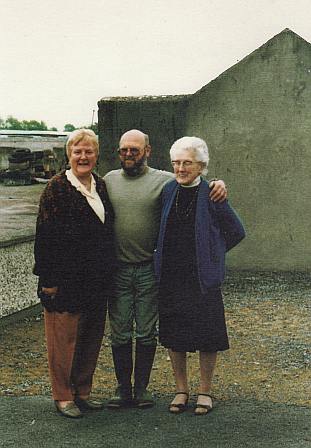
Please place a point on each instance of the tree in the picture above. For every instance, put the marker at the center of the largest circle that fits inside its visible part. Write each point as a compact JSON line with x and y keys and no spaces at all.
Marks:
{"x":69,"y":127}
{"x":94,"y":127}
{"x":12,"y":123}
{"x":34,"y":125}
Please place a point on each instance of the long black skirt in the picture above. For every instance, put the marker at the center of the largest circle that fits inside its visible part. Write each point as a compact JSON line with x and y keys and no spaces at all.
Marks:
{"x":189,"y":320}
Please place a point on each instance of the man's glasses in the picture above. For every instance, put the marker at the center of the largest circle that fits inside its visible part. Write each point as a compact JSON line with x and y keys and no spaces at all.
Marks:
{"x":132,"y":151}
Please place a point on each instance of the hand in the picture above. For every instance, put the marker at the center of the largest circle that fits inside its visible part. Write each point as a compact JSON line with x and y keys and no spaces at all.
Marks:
{"x":219,"y":191}
{"x":50,"y":291}
{"x":49,"y":299}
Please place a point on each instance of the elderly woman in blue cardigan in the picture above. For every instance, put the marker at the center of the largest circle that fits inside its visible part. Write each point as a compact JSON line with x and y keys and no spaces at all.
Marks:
{"x":195,"y":234}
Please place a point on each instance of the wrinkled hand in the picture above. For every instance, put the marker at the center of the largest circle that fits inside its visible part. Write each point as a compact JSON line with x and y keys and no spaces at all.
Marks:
{"x":219,"y":190}
{"x":50,"y":291}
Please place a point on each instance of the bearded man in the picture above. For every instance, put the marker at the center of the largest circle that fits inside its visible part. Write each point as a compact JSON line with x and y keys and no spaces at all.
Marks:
{"x":135,"y":193}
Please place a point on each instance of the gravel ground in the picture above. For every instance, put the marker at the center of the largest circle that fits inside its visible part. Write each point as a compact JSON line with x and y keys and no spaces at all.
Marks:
{"x":268,"y":317}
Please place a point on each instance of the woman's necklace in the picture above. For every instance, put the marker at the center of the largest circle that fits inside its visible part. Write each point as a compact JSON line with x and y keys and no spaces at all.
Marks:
{"x":183,"y":213}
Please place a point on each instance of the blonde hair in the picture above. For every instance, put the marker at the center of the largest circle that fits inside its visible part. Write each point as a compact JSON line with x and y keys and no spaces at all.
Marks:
{"x":75,"y":137}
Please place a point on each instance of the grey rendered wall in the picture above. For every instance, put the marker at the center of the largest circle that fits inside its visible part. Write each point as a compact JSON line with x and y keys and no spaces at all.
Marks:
{"x":256,"y":118}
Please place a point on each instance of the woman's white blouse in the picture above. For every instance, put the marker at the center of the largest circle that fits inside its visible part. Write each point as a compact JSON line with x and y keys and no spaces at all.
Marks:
{"x":92,"y":196}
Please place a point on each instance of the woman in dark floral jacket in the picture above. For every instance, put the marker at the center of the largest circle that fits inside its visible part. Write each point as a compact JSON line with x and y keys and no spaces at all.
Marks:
{"x":74,"y":259}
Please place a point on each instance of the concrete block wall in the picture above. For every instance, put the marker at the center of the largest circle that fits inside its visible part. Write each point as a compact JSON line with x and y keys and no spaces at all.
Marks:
{"x":162,"y":118}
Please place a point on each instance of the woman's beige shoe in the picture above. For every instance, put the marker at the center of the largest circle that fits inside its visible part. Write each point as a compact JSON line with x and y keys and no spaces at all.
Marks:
{"x":203,"y":409}
{"x":71,"y":410}
{"x":178,"y":408}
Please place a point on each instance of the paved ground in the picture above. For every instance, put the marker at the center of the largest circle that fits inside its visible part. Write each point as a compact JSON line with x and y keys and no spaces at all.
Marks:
{"x":33,"y":422}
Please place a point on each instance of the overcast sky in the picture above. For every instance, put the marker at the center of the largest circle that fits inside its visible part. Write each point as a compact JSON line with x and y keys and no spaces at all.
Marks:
{"x":59,"y":57}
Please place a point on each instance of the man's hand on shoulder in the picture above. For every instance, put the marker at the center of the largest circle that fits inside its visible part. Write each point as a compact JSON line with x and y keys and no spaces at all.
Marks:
{"x":219,"y":190}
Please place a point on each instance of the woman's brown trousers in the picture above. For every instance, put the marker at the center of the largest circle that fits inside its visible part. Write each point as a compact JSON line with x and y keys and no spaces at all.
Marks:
{"x":73,"y":345}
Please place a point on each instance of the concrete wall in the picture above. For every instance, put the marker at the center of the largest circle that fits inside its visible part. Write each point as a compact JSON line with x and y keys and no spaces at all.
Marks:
{"x":256,"y":119}
{"x":162,"y":118}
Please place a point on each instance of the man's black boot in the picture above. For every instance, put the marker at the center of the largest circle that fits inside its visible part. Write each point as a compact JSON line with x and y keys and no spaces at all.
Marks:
{"x":123,"y":365}
{"x":144,"y":357}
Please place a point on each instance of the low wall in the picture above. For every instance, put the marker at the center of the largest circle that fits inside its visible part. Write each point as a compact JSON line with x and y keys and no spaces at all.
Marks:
{"x":18,"y":285}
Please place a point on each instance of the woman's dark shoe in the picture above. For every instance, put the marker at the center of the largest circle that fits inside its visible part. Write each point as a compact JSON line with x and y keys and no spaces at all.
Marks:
{"x":88,"y":404}
{"x":178,"y":408}
{"x":203,"y":409}
{"x":69,"y":411}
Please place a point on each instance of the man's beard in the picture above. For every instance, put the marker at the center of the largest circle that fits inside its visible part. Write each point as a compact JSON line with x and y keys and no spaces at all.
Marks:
{"x":135,"y":169}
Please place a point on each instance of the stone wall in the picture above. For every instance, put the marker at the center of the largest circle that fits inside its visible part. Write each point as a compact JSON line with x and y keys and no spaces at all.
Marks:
{"x":256,"y":119}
